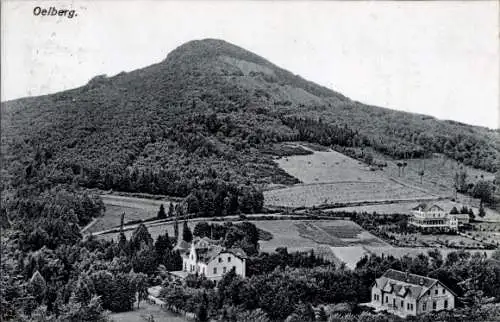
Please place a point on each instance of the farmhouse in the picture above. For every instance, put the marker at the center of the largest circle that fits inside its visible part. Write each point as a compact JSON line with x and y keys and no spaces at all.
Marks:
{"x":212,"y":260}
{"x":407,"y":294}
{"x":434,"y":217}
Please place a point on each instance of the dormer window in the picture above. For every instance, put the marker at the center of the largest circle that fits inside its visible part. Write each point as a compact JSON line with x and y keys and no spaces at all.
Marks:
{"x":220,"y":260}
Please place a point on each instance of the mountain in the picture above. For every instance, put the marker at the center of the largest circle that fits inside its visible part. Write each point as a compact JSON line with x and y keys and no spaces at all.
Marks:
{"x":210,"y":112}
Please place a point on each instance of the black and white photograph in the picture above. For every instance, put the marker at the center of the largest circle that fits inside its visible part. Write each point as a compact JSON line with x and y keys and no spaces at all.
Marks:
{"x":289,"y":161}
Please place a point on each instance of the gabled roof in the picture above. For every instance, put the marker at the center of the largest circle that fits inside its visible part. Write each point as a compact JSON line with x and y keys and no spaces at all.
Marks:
{"x":406,"y":284}
{"x":206,"y":255}
{"x":427,"y":207}
{"x":409,"y":278}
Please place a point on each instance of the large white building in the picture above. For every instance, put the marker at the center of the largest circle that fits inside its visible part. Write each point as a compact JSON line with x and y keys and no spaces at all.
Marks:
{"x":435,"y":217}
{"x":213,"y":261}
{"x":407,"y":294}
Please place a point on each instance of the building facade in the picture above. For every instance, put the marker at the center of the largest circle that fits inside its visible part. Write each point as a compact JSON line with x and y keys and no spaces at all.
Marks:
{"x":407,"y":294}
{"x":213,"y":261}
{"x":434,"y":217}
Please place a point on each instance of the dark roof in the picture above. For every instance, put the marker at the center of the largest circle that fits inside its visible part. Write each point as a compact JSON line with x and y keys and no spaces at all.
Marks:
{"x":409,"y":278}
{"x":426,"y":207}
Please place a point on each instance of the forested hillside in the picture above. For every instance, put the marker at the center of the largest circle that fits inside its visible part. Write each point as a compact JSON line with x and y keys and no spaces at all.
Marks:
{"x":210,"y":114}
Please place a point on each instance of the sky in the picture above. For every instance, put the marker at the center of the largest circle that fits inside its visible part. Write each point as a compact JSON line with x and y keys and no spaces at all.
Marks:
{"x":439,"y":58}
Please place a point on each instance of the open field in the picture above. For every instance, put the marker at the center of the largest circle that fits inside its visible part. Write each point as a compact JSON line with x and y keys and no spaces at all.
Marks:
{"x":134,"y":209}
{"x":330,"y":177}
{"x":328,"y":166}
{"x":342,"y":192}
{"x":439,"y":172}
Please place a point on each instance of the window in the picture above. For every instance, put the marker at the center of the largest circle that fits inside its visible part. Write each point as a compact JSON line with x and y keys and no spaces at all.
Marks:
{"x":445,"y":304}
{"x":411,"y":307}
{"x":402,"y":304}
{"x":386,"y":299}
{"x":229,"y":259}
{"x":224,"y":270}
{"x":424,"y":306}
{"x":374,"y":297}
{"x":220,"y":259}
{"x":408,"y":306}
{"x":436,"y":291}
{"x":444,"y":291}
{"x":434,"y":305}
{"x":215,"y":270}
{"x":393,"y":302}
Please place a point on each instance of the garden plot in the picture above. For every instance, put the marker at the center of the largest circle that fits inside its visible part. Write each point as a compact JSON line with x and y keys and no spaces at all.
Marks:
{"x":307,"y":234}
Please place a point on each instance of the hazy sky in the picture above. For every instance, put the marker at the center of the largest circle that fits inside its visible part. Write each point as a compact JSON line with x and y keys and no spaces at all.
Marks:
{"x":438,"y":58}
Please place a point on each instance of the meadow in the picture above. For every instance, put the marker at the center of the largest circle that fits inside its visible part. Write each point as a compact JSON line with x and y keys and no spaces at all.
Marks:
{"x":134,"y":208}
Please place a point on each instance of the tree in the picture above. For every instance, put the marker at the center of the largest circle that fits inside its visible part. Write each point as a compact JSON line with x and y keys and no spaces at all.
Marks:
{"x":38,"y":286}
{"x":163,"y":244}
{"x":84,"y":290}
{"x":322,"y":317}
{"x":202,"y":229}
{"x":170,"y":210}
{"x":421,"y":174}
{"x":161,"y":213}
{"x":186,"y":233}
{"x":481,"y":212}
{"x":176,"y":229}
{"x":399,"y":164}
{"x":140,"y":237}
{"x":454,"y":210}
{"x":140,"y":281}
{"x":483,"y":190}
{"x":460,"y":180}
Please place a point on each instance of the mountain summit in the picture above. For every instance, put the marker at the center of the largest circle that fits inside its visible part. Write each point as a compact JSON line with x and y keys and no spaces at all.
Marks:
{"x":210,"y":110}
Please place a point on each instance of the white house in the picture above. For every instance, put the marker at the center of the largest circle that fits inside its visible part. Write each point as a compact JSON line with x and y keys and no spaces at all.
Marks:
{"x":213,"y":261}
{"x":407,"y":294}
{"x":433,"y":216}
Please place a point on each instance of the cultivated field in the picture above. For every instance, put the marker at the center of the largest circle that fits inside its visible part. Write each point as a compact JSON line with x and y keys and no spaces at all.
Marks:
{"x":309,"y":195}
{"x":134,"y":209}
{"x":319,"y":235}
{"x":330,"y":177}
